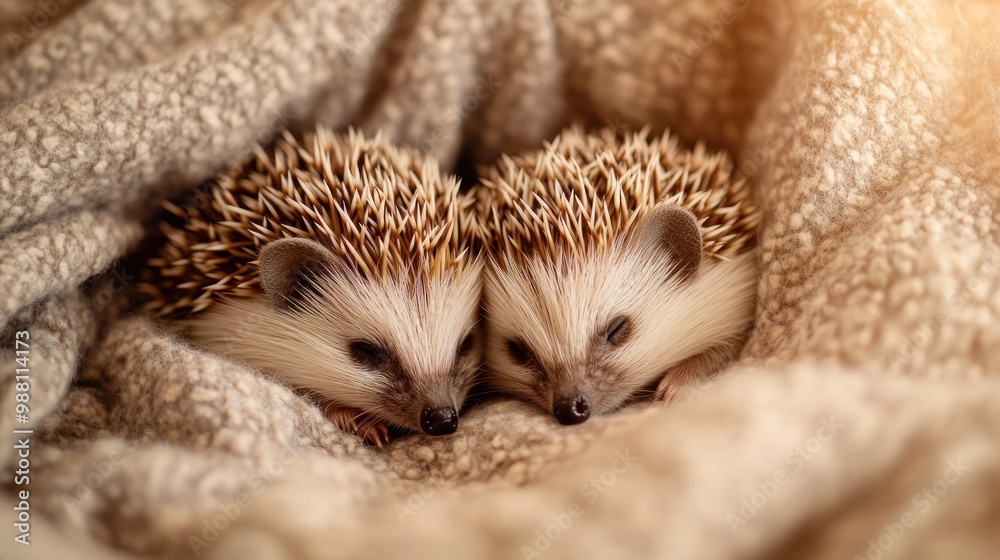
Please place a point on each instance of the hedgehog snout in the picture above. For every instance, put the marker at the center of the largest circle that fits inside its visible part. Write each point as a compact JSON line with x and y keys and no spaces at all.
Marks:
{"x":439,"y":421}
{"x":572,"y":409}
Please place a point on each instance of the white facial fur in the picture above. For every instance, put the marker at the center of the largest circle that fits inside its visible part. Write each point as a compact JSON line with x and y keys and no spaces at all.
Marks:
{"x":308,"y":346}
{"x":561,"y":313}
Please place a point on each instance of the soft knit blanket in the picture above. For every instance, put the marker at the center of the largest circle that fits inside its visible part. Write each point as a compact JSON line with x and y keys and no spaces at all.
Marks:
{"x":861,"y":422}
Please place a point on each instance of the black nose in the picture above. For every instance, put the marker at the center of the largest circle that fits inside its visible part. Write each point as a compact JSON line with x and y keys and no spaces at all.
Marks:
{"x":439,"y":421}
{"x":572,"y":410}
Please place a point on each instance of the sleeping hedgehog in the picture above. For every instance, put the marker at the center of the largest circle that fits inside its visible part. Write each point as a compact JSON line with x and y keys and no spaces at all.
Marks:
{"x":341,"y":265}
{"x":620,"y":266}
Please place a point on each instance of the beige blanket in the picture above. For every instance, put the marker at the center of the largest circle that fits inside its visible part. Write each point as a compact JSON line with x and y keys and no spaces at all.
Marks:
{"x":862,"y":423}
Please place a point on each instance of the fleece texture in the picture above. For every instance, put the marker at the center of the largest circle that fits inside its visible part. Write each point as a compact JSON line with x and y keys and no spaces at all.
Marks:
{"x":862,"y":419}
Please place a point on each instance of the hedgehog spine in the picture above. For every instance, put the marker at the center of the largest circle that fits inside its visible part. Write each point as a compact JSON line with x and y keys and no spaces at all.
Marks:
{"x":342,"y":265}
{"x":615,"y":261}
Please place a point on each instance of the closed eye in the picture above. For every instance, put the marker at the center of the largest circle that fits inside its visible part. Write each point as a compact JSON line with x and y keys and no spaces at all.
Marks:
{"x":371,"y":355}
{"x":618,"y":331}
{"x":465,"y":347}
{"x":522,"y":355}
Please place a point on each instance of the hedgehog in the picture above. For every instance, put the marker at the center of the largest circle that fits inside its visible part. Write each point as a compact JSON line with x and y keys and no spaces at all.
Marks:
{"x":620,"y":267}
{"x":340,"y":265}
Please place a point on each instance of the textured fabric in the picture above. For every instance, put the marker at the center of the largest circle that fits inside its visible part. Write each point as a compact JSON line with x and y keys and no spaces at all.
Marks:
{"x":861,"y":422}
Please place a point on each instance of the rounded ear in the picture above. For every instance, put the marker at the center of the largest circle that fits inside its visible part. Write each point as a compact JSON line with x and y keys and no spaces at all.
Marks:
{"x":289,"y":269}
{"x":674,"y":229}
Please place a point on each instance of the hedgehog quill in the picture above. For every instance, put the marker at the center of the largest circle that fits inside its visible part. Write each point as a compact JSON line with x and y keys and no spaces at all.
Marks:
{"x":620,"y":266}
{"x":341,"y":265}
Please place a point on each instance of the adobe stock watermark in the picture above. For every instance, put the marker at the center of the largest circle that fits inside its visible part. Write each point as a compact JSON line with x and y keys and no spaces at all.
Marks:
{"x":753,"y":161}
{"x":117,"y":280}
{"x":361,"y":37}
{"x":590,"y":492}
{"x":100,"y":471}
{"x":929,"y":328}
{"x":486,"y":86}
{"x":223,"y":7}
{"x":616,"y":125}
{"x":199,"y":199}
{"x":6,"y":105}
{"x":922,"y":502}
{"x":33,"y":23}
{"x":266,"y":134}
{"x":358,"y":38}
{"x":561,"y":10}
{"x":414,"y":502}
{"x":230,"y":511}
{"x":795,"y":460}
{"x":695,"y":45}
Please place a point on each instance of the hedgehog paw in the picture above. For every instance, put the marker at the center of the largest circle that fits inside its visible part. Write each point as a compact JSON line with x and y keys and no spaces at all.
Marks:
{"x":353,"y":421}
{"x":373,"y":432}
{"x":674,"y":384}
{"x":688,"y":374}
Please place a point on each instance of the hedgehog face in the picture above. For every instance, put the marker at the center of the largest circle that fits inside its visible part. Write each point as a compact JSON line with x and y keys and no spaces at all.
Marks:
{"x":582,"y":335}
{"x":411,"y":354}
{"x":404,"y":354}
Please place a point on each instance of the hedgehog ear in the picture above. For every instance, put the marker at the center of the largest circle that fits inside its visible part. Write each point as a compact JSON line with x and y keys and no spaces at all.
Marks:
{"x":674,"y":229}
{"x":290,"y":268}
